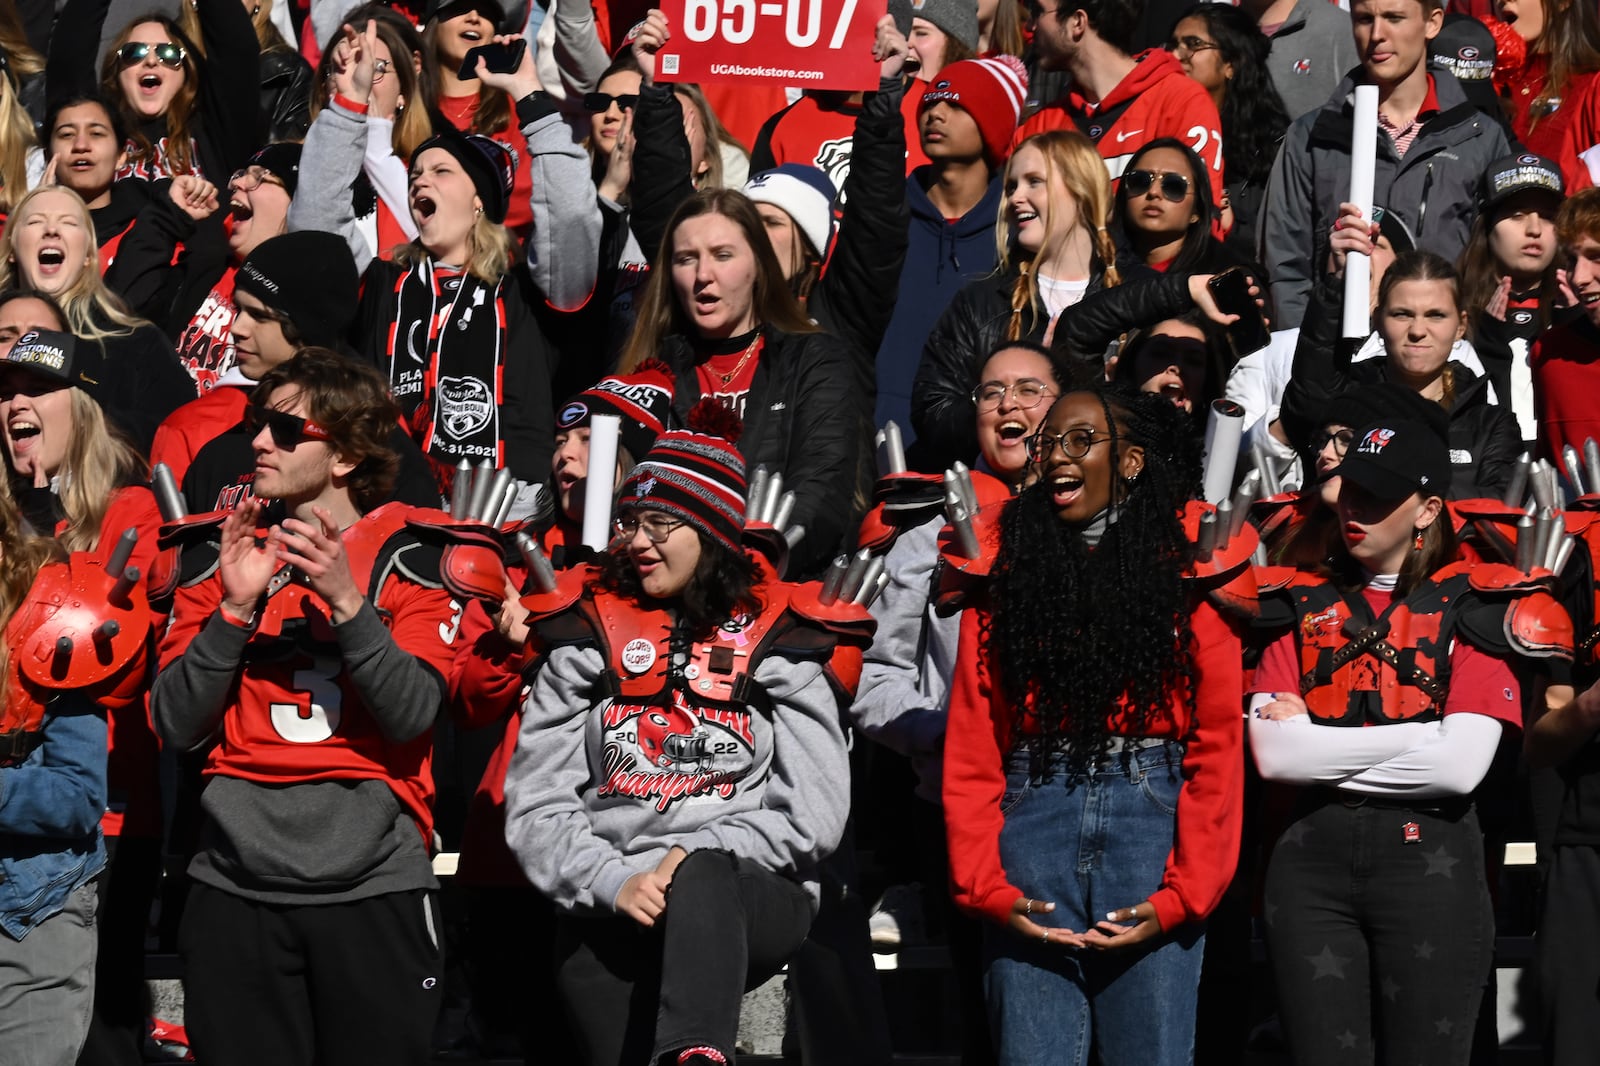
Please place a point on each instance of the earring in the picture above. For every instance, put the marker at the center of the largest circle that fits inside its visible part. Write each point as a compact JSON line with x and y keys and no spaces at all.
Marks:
{"x":1416,"y":542}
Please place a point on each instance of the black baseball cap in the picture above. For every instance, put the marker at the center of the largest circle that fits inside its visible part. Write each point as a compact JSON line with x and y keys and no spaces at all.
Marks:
{"x":1515,"y":174}
{"x":1465,"y":48}
{"x":1394,"y":457}
{"x":56,"y":357}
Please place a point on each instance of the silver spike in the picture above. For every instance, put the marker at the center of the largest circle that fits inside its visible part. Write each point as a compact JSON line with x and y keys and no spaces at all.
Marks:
{"x":539,"y":568}
{"x":168,"y":498}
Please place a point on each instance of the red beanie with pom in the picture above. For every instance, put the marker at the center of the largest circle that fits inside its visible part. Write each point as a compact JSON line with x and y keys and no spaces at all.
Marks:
{"x":992,"y":91}
{"x":695,"y":474}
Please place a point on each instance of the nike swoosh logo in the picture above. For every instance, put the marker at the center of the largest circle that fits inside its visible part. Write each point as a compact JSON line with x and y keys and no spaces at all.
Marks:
{"x":1130,"y":133}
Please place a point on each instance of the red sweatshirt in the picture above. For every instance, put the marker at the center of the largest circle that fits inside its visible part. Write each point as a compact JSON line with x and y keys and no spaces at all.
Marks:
{"x":1166,"y":103}
{"x":1210,"y":801}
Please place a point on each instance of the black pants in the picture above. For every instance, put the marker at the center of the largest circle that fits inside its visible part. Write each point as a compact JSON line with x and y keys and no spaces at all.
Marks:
{"x":635,"y":994}
{"x":127,"y":888}
{"x":1569,"y":957}
{"x":1378,"y":943}
{"x":341,"y":983}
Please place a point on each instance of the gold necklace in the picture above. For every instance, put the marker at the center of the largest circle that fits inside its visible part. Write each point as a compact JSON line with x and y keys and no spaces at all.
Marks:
{"x":750,"y":349}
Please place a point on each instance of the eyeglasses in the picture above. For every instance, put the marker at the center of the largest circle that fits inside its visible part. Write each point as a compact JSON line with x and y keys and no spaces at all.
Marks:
{"x":1025,"y":394}
{"x":1183,"y":47}
{"x":1340,"y":439}
{"x":1074,"y":444}
{"x":1037,"y":11}
{"x":167,"y":54}
{"x":657,"y":527}
{"x":600,"y":103}
{"x":1174,"y":187}
{"x":252,"y":178}
{"x":287,"y":430}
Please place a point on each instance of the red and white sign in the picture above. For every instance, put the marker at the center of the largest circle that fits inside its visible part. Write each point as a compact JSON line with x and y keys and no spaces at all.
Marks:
{"x":812,"y":44}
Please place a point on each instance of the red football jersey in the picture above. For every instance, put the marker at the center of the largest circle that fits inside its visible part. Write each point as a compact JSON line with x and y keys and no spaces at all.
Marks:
{"x":297,"y":716}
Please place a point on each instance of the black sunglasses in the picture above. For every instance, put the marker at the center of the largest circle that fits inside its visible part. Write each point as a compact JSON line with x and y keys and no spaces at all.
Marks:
{"x":600,"y":103}
{"x":287,"y":430}
{"x":167,"y":54}
{"x":1174,"y":187}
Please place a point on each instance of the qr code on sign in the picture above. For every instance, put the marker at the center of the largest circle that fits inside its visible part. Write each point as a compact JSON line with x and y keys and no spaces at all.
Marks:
{"x":669,"y":64}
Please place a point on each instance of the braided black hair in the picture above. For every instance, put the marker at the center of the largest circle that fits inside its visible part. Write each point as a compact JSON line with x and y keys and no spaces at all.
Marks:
{"x":1076,"y":631}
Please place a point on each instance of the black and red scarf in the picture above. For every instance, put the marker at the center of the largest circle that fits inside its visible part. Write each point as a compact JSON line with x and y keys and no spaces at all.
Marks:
{"x":446,"y":355}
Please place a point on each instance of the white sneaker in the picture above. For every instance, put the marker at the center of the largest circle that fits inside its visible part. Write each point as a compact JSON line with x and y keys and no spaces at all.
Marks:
{"x":897,"y":919}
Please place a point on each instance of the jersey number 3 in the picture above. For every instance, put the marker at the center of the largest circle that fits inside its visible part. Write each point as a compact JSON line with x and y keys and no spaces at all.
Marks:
{"x":314,"y":716}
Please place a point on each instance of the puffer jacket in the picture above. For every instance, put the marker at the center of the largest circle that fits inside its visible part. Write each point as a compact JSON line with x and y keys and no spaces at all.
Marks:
{"x":1433,"y":189}
{"x":1484,"y":441}
{"x":808,"y":416}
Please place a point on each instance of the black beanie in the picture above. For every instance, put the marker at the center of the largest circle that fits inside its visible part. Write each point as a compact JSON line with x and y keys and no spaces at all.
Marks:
{"x":488,"y":163}
{"x":310,"y":278}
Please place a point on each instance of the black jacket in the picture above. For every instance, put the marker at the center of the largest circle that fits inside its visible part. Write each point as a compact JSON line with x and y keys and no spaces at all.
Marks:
{"x":144,"y":383}
{"x":968,"y":331}
{"x":157,"y":282}
{"x":806,"y":417}
{"x":1484,"y":441}
{"x":285,"y":96}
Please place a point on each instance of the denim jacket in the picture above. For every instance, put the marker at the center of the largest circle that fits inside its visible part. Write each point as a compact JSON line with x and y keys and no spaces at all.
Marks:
{"x":50,"y":808}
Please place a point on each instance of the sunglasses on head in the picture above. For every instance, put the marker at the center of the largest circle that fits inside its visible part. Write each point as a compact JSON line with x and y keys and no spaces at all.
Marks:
{"x":167,"y":54}
{"x":600,"y":103}
{"x":287,"y":430}
{"x":1174,"y":187}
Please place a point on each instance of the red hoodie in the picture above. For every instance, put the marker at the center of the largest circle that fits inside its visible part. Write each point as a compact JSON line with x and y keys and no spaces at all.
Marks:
{"x":1166,"y":103}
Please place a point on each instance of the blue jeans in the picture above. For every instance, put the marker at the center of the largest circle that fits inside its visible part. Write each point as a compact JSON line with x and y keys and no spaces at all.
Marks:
{"x":1091,"y":843}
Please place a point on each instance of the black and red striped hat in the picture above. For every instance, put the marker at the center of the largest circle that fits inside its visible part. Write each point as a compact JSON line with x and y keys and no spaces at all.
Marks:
{"x":695,"y":474}
{"x":642,"y":399}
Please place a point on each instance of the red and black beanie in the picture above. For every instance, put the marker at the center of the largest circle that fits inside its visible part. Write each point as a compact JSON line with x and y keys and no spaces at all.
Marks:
{"x":642,"y":399}
{"x":695,"y":474}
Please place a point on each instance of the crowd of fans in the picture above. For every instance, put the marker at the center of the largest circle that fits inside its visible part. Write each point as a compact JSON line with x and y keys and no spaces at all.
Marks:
{"x":309,"y":314}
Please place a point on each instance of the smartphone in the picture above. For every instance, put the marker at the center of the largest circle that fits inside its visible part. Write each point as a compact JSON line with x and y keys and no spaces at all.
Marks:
{"x":1231,"y":290}
{"x":501,"y":58}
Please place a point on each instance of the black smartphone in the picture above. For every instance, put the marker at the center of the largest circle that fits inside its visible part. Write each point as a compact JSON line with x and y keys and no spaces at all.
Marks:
{"x":501,"y":58}
{"x":1231,"y":290}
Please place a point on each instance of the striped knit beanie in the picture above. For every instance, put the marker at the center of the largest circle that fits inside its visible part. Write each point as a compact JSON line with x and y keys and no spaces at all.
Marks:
{"x":642,"y":399}
{"x":694,"y":474}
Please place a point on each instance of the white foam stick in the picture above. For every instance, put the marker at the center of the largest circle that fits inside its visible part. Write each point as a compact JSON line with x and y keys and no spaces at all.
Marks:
{"x":769,"y":500}
{"x":1363,"y":165}
{"x":1224,"y":429}
{"x":780,"y":517}
{"x":754,"y":492}
{"x":603,"y":433}
{"x":894,"y":448}
{"x":168,"y":499}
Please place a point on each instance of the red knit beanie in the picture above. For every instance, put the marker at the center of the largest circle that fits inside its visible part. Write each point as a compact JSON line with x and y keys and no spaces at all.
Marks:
{"x":992,"y":91}
{"x":695,"y":474}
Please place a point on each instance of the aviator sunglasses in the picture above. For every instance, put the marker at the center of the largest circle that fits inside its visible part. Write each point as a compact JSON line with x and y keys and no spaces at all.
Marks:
{"x":167,"y":54}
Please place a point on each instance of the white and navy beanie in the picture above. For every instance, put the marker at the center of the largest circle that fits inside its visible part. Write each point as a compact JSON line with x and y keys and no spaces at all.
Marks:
{"x":694,"y":474}
{"x":805,"y":193}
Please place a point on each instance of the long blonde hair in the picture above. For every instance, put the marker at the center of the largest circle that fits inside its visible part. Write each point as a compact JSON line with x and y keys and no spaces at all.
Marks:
{"x":22,"y":555}
{"x":93,"y":311}
{"x":16,"y":142}
{"x":1077,"y":161}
